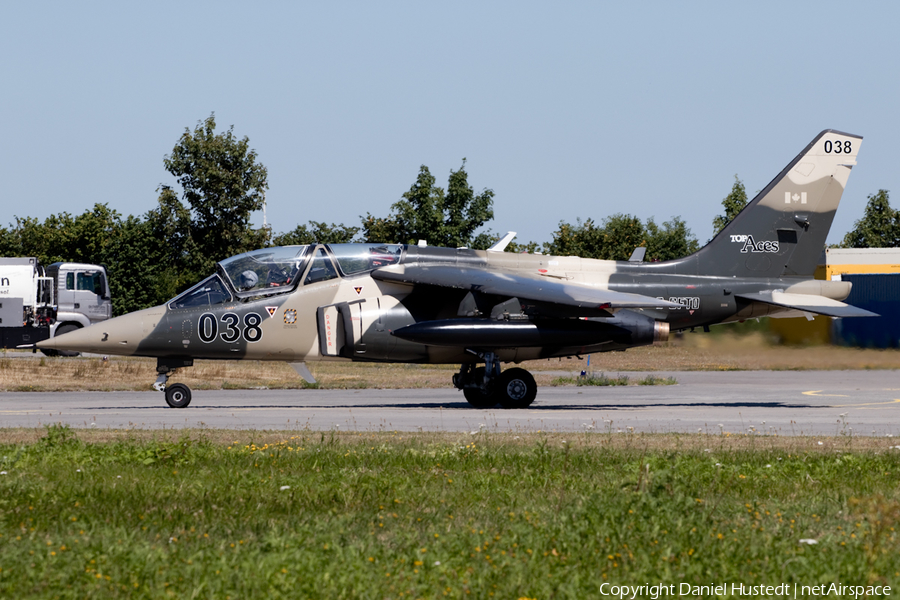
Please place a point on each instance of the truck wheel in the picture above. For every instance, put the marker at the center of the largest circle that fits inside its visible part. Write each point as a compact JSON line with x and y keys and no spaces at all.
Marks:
{"x":61,"y":330}
{"x":178,"y":395}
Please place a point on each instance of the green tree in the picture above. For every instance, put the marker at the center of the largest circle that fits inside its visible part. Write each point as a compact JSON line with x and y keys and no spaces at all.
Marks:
{"x":580,"y":239}
{"x":621,"y":235}
{"x":618,"y":235}
{"x":382,"y":230}
{"x":62,"y":237}
{"x":614,"y":239}
{"x":427,"y":212}
{"x":515,"y":247}
{"x":9,"y":243}
{"x":178,"y":255}
{"x":223,"y":184}
{"x":673,"y":240}
{"x":879,"y":227}
{"x":89,"y":235}
{"x":138,"y":275}
{"x":733,"y":203}
{"x":27,"y":237}
{"x":317,"y":232}
{"x":465,"y":212}
{"x":49,"y":240}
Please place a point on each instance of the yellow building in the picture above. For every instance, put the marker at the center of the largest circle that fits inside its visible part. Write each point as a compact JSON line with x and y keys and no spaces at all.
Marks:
{"x":837,"y":261}
{"x":834,"y":263}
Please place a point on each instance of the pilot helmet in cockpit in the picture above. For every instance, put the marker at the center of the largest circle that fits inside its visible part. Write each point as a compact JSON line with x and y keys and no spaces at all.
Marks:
{"x":249,"y":279}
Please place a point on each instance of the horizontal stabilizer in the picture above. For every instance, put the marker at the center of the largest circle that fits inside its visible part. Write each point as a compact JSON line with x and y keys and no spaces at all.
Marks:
{"x":819,"y":305}
{"x":517,"y":285}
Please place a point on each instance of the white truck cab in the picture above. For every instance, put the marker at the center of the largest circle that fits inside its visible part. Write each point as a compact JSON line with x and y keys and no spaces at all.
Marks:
{"x":82,"y":295}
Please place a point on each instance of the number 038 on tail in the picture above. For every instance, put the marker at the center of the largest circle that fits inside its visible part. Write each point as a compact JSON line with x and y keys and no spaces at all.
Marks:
{"x":481,"y":309}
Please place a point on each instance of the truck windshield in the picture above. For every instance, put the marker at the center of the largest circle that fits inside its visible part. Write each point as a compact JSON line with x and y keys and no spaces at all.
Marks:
{"x":91,"y":281}
{"x":266,"y":271}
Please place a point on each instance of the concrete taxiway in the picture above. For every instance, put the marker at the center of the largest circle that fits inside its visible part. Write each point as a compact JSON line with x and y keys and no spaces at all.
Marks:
{"x":783,"y":402}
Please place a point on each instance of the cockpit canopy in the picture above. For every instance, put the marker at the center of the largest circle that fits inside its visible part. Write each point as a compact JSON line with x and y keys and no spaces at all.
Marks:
{"x":278,"y":270}
{"x":265,"y":269}
{"x":359,"y":258}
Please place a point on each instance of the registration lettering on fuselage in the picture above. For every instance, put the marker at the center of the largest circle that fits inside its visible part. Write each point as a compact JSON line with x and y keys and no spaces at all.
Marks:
{"x":232,"y":329}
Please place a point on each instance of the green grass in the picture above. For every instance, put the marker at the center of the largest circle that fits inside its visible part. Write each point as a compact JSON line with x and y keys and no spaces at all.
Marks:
{"x":601,"y":379}
{"x":312,"y":515}
{"x":654,"y":380}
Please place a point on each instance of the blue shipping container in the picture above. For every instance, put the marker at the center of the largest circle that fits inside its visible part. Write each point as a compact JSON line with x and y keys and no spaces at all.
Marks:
{"x":879,"y":293}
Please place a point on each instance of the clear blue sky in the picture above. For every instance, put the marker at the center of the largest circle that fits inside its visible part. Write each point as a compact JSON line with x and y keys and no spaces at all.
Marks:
{"x":579,"y":109}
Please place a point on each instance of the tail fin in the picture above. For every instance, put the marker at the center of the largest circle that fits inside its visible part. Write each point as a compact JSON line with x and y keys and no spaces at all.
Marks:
{"x":782,"y":231}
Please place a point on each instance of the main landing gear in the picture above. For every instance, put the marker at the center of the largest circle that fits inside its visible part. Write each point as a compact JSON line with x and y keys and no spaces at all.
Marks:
{"x":485,"y":387}
{"x":178,"y":395}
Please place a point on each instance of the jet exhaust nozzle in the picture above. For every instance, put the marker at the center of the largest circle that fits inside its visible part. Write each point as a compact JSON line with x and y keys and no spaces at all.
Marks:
{"x":660,"y":331}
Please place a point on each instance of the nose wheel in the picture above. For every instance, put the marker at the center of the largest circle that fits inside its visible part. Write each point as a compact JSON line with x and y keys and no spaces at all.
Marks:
{"x":178,"y":395}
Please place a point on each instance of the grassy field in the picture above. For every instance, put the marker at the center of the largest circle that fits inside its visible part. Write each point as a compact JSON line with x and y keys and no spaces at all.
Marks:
{"x":23,"y":372}
{"x":327,"y":515}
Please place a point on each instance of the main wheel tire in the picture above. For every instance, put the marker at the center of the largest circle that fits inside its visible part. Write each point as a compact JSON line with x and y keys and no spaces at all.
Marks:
{"x":178,"y":395}
{"x":516,"y":388}
{"x":476,"y":396}
{"x":479,"y":399}
{"x":60,"y":331}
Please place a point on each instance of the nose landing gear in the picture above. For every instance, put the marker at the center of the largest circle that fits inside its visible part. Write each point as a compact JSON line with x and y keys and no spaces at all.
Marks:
{"x":485,"y":387}
{"x":178,"y":395}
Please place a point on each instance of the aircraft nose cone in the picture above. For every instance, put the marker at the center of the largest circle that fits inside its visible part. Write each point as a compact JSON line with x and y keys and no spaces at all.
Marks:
{"x":120,"y":335}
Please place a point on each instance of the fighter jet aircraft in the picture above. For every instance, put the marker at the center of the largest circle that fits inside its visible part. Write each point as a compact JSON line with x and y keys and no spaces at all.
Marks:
{"x":419,"y":304}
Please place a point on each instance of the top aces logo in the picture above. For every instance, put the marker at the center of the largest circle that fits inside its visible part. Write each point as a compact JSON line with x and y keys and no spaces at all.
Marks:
{"x":750,"y":245}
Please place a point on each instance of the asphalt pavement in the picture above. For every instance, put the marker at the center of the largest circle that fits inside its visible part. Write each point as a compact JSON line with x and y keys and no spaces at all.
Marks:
{"x":861,"y":403}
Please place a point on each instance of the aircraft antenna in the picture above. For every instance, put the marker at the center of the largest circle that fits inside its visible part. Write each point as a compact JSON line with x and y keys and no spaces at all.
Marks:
{"x":265,"y":224}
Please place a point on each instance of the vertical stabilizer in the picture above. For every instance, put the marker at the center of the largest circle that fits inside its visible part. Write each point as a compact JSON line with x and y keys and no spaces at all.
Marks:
{"x":782,"y":231}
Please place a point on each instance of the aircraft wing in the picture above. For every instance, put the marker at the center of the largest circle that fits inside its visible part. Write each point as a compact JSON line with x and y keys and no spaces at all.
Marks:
{"x":819,"y":305}
{"x":518,"y":285}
